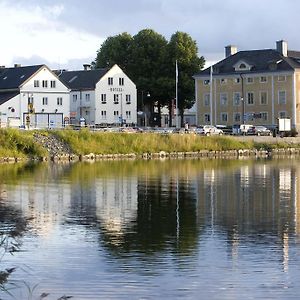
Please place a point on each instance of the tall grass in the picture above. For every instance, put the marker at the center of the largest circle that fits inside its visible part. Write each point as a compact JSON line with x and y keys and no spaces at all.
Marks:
{"x":16,"y":143}
{"x":85,"y":142}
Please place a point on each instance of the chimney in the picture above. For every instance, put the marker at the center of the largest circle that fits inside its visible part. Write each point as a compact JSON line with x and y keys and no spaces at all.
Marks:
{"x":17,"y":65}
{"x":282,"y":47}
{"x":87,"y":67}
{"x":230,"y":50}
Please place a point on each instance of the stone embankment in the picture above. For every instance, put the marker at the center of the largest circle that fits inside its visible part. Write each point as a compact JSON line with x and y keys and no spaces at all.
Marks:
{"x":60,"y":151}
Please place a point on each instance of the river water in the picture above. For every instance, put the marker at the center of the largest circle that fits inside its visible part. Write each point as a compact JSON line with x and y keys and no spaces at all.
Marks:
{"x":173,"y":229}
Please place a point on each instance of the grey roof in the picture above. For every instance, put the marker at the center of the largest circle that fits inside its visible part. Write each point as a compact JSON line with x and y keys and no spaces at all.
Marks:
{"x":7,"y":96}
{"x":13,"y":78}
{"x":77,"y":80}
{"x":260,"y":60}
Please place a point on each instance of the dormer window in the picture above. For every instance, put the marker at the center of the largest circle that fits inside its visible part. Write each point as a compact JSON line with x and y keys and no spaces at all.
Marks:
{"x":242,"y":66}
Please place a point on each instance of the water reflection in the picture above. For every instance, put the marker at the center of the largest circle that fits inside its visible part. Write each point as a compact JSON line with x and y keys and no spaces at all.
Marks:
{"x":165,"y":227}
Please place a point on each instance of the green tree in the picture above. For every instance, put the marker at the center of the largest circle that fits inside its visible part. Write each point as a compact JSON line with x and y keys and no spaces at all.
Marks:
{"x":184,"y":49}
{"x":114,"y":50}
{"x":149,"y":60}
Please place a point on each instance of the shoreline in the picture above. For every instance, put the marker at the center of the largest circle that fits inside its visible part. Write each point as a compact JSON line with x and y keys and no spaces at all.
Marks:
{"x":223,"y":154}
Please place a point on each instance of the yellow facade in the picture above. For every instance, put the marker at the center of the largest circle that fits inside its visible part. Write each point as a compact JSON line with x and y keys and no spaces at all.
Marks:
{"x":263,"y":98}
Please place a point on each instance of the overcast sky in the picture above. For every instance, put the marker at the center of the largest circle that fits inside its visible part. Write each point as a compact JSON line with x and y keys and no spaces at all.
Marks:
{"x":68,"y":33}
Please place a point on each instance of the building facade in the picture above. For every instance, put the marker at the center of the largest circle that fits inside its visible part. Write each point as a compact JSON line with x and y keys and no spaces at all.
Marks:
{"x":101,"y":97}
{"x":251,"y":87}
{"x":32,"y":96}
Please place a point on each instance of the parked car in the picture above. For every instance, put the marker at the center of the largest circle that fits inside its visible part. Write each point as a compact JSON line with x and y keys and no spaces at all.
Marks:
{"x":259,"y":130}
{"x":209,"y":130}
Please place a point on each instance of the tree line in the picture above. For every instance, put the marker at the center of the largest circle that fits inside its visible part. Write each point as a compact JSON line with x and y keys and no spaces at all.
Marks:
{"x":149,"y":59}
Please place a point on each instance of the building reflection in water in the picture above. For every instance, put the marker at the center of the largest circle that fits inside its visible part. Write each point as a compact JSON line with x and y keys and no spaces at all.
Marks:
{"x":166,"y":206}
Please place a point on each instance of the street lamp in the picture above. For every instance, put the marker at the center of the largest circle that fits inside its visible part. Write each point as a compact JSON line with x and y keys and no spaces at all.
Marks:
{"x":143,"y":107}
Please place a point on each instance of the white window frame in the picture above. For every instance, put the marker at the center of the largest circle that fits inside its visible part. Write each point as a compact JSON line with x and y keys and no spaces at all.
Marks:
{"x":110,"y":80}
{"x":116,"y":98}
{"x":279,"y":100}
{"x":260,"y":97}
{"x":264,"y":115}
{"x":235,"y":119}
{"x":222,"y":115}
{"x":103,"y":114}
{"x":121,"y":81}
{"x":252,"y":93}
{"x":249,"y":80}
{"x":45,"y":101}
{"x":206,"y":99}
{"x":87,"y":97}
{"x":44,"y":83}
{"x":75,"y":98}
{"x":222,"y":103}
{"x":206,"y":118}
{"x":282,"y":114}
{"x":53,"y":84}
{"x":237,"y":80}
{"x":206,"y":82}
{"x":36,"y":83}
{"x":128,"y":99}
{"x":59,"y":101}
{"x":223,"y":81}
{"x":234,"y":99}
{"x":281,"y":78}
{"x":263,"y":79}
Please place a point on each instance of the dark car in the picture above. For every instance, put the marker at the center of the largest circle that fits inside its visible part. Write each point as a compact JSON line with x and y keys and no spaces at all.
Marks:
{"x":259,"y":130}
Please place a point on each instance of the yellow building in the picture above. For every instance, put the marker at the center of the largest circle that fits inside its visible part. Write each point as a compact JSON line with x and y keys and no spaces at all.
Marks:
{"x":252,"y":87}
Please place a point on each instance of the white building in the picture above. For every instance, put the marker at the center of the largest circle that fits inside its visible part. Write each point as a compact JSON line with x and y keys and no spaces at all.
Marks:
{"x":32,"y":96}
{"x":101,"y":96}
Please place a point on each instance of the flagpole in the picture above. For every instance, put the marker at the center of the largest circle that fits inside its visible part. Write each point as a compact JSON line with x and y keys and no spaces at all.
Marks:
{"x":176,"y":95}
{"x":210,"y":96}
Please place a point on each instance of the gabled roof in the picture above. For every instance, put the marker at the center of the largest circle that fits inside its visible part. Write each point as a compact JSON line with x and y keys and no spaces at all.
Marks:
{"x":7,"y":96}
{"x":260,"y":60}
{"x":13,"y":78}
{"x":77,"y":80}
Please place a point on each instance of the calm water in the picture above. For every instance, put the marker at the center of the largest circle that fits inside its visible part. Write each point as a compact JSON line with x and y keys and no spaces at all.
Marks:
{"x":192,"y":229}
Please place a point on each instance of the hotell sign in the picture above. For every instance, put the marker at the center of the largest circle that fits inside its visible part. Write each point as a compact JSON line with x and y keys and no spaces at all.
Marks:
{"x":116,"y":89}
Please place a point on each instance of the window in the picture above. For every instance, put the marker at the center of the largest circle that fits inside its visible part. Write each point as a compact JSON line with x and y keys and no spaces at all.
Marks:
{"x":281,"y":97}
{"x":236,"y":98}
{"x":45,"y":101}
{"x":121,"y":81}
{"x":116,"y":114}
{"x":264,"y":116}
{"x":206,"y":100}
{"x":44,"y":83}
{"x":223,"y":99}
{"x":59,"y":100}
{"x":103,"y":114}
{"x":74,"y":98}
{"x":116,"y":98}
{"x":223,"y":80}
{"x":263,"y":79}
{"x":281,"y":78}
{"x":237,"y":80}
{"x":53,"y":84}
{"x":263,"y":98}
{"x":128,"y":99}
{"x":30,"y":100}
{"x":206,"y":118}
{"x":237,"y":117}
{"x":250,"y":79}
{"x":36,"y":83}
{"x":128,"y":114}
{"x":282,"y":114}
{"x":206,"y":82}
{"x":110,"y":81}
{"x":242,"y":66}
{"x":103,"y":98}
{"x":224,"y":117}
{"x":87,"y":97}
{"x":250,"y":98}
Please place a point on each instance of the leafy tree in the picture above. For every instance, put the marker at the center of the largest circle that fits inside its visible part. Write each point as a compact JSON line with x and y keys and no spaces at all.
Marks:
{"x":184,"y":49}
{"x":114,"y":50}
{"x":149,"y":60}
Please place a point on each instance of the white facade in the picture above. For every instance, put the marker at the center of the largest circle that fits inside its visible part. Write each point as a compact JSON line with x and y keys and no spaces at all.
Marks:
{"x":42,"y":102}
{"x":112,"y":102}
{"x":121,"y":99}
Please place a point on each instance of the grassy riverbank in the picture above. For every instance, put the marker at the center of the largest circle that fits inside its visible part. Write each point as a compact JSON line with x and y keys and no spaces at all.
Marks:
{"x":16,"y":143}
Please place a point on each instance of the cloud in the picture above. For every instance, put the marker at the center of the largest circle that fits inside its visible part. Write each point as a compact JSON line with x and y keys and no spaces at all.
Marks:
{"x":39,"y":31}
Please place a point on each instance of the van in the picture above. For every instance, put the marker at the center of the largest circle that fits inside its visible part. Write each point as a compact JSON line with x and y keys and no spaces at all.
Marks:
{"x":244,"y":128}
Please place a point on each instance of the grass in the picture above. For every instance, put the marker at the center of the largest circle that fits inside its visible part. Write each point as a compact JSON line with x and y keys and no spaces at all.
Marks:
{"x":85,"y":142}
{"x":16,"y":143}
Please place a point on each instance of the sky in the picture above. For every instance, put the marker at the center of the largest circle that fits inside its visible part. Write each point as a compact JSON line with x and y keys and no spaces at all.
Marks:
{"x":68,"y":33}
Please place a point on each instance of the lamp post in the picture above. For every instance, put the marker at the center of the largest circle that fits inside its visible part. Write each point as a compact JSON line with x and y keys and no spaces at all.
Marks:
{"x":121,"y":102}
{"x":143,"y":107}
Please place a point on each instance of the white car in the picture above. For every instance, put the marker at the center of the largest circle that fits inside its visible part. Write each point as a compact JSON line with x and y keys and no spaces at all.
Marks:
{"x":209,"y":130}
